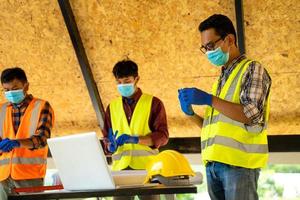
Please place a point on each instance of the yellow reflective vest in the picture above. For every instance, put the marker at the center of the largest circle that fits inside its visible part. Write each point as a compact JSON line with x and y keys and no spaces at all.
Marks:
{"x":135,"y":156}
{"x":228,"y":141}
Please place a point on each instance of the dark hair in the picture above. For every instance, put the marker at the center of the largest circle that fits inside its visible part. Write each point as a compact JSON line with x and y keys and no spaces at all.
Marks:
{"x":125,"y":68}
{"x":221,"y":23}
{"x":11,"y":74}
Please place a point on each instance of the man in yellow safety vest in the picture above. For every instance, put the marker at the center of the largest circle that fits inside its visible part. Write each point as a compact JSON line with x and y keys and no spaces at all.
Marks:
{"x":233,"y":138}
{"x":135,"y":123}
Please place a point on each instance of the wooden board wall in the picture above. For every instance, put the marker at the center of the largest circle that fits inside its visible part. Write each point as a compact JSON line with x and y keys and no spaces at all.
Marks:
{"x":162,"y":37}
{"x":33,"y":36}
{"x":273,"y":38}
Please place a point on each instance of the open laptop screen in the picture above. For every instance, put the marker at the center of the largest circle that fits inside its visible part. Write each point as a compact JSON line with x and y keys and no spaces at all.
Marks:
{"x":81,"y":162}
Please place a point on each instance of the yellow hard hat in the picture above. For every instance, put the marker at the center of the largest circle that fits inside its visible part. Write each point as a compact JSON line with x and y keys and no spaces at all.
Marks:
{"x":168,"y":163}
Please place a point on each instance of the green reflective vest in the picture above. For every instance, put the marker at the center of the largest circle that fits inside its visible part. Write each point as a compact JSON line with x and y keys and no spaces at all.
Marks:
{"x":228,"y":141}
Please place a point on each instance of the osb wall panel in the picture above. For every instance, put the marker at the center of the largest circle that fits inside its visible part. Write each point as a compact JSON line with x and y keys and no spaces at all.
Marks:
{"x":272,"y":37}
{"x":33,"y":36}
{"x":161,"y":36}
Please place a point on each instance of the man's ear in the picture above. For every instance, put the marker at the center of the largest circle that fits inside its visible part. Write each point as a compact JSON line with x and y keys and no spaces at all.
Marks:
{"x":231,"y":39}
{"x":137,"y":79}
{"x":26,"y":87}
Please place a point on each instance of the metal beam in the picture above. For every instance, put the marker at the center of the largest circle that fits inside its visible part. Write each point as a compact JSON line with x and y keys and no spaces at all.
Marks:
{"x":239,"y":15}
{"x":276,"y":143}
{"x":71,"y":25}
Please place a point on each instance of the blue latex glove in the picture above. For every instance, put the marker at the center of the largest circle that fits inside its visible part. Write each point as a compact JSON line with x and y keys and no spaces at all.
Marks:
{"x":3,"y":143}
{"x":196,"y":96}
{"x":7,"y":145}
{"x":124,"y":138}
{"x":112,"y":146}
{"x":185,"y":107}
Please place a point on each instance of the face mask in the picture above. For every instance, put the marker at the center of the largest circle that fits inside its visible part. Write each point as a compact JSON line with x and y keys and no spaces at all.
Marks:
{"x":217,"y":57}
{"x":126,"y":90}
{"x":15,"y":96}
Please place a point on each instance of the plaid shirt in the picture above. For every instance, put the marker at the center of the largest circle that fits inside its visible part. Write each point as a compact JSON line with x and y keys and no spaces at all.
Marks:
{"x":43,"y":130}
{"x":256,"y":84}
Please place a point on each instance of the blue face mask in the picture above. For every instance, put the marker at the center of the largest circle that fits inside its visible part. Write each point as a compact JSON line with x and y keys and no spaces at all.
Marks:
{"x":217,"y":57}
{"x":15,"y":96}
{"x":126,"y":90}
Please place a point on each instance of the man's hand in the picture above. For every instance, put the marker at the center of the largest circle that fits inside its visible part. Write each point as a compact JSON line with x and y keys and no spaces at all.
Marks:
{"x":112,"y":142}
{"x":124,"y":138}
{"x":196,"y":96}
{"x":185,"y":107}
{"x":7,"y":145}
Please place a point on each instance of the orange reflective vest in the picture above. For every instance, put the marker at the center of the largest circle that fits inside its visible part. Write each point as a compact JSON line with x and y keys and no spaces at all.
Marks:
{"x":22,"y":163}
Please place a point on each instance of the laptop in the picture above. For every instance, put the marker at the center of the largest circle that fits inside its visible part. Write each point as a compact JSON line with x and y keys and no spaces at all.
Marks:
{"x":82,"y":165}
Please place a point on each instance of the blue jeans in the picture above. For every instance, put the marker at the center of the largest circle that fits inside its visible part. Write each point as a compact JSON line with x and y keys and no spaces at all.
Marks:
{"x":227,"y":182}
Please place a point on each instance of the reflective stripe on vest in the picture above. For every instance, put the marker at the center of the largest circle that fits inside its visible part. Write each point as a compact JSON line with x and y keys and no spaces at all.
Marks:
{"x":2,"y":117}
{"x":134,"y":153}
{"x":34,"y":117}
{"x":30,"y":161}
{"x":4,"y":161}
{"x":226,"y":141}
{"x":24,"y":161}
{"x":222,"y":118}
